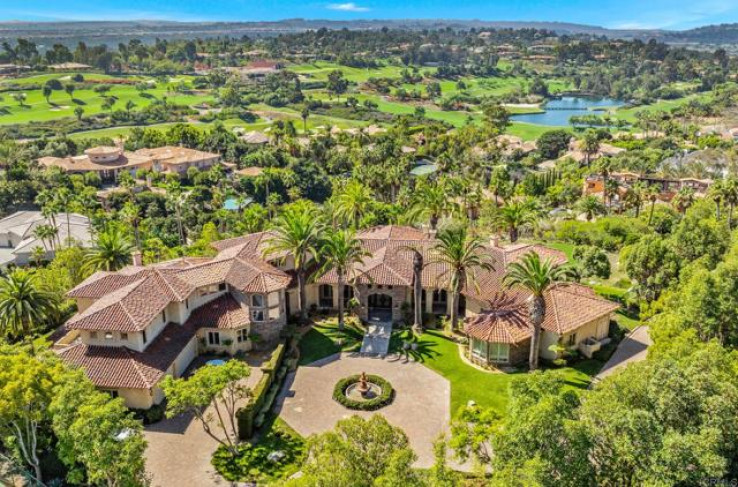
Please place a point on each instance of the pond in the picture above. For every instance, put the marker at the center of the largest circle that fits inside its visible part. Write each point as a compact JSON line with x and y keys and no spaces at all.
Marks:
{"x":559,"y":110}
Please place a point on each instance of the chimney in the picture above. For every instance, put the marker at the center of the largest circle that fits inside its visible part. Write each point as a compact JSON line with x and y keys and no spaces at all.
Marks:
{"x":137,"y":258}
{"x":495,"y":241}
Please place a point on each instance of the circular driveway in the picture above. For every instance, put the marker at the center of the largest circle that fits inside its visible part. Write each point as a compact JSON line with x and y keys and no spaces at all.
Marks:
{"x":421,"y":406}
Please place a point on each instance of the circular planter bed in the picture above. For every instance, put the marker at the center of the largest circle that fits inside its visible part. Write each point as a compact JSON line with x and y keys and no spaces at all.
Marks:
{"x":370,"y":404}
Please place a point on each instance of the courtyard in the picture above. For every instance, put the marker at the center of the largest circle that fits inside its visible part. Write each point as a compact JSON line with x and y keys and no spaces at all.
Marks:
{"x":422,"y":404}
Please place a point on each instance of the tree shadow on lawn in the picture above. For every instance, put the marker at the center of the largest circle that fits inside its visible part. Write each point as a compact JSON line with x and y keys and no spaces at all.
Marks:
{"x":77,"y":101}
{"x":419,"y":349}
{"x":321,"y":341}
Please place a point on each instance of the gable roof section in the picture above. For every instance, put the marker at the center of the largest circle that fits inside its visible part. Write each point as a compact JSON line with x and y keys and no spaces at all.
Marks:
{"x":570,"y":306}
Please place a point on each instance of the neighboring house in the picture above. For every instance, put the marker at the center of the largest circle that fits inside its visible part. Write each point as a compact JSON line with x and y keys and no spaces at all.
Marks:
{"x":17,"y":239}
{"x":135,"y":326}
{"x":109,"y":162}
{"x":667,"y":187}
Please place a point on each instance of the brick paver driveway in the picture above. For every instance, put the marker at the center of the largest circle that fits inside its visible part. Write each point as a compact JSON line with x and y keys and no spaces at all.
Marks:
{"x":179,"y":451}
{"x":421,"y":406}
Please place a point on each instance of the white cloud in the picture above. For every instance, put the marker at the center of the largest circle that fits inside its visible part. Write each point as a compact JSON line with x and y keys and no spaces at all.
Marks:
{"x":347,"y":7}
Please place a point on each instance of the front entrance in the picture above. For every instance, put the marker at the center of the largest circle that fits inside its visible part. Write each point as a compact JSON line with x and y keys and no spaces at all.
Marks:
{"x":380,"y":307}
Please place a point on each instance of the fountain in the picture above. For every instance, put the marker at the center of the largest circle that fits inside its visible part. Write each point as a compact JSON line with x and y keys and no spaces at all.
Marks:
{"x":363,"y":390}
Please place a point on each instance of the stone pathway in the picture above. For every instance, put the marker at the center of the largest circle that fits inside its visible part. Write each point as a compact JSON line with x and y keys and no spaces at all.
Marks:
{"x":633,"y":348}
{"x":422,"y":405}
{"x":376,"y":339}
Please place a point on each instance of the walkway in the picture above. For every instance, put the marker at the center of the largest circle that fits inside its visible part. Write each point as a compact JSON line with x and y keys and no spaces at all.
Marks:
{"x":376,"y":339}
{"x":179,"y":450}
{"x":633,"y":348}
{"x":422,"y":405}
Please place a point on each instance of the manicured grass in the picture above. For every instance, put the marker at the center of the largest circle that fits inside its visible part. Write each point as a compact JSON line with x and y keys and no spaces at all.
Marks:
{"x":325,"y":339}
{"x":488,"y":389}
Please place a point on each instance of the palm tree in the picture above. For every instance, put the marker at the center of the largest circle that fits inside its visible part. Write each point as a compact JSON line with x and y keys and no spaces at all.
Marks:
{"x":431,"y":202}
{"x":353,"y":203}
{"x":24,"y":305}
{"x":683,"y":199}
{"x":591,"y":206}
{"x":652,"y":194}
{"x":590,"y":145}
{"x":46,"y":234}
{"x":341,"y":251}
{"x":716,"y":194}
{"x":112,"y":250}
{"x":297,"y":232}
{"x":513,"y":216}
{"x":64,"y":199}
{"x":537,"y":277}
{"x":730,"y":197}
{"x":634,"y":196}
{"x":462,"y":254}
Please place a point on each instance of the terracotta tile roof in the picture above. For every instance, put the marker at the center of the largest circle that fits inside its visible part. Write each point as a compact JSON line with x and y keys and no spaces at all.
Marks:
{"x":122,"y":368}
{"x":569,"y":306}
{"x":505,"y":322}
{"x":252,"y":246}
{"x":224,"y":313}
{"x":392,"y":232}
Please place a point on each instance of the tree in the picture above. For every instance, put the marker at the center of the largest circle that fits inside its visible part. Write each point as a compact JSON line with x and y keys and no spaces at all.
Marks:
{"x":590,"y":206}
{"x":652,"y":264}
{"x":652,"y":195}
{"x":353,"y":203}
{"x":536,"y":277}
{"x":20,"y":98}
{"x":514,"y":216}
{"x":496,"y":118}
{"x":431,"y":202}
{"x":592,"y":261}
{"x":98,"y":438}
{"x":304,"y":114}
{"x":24,"y":306}
{"x":297,"y":232}
{"x":683,"y":199}
{"x":361,"y":453}
{"x":64,"y":199}
{"x":46,"y":233}
{"x":211,"y":395}
{"x":79,"y":112}
{"x":47,"y":91}
{"x":112,"y":250}
{"x":341,"y":252}
{"x":70,"y":88}
{"x":462,"y":255}
{"x":590,"y":145}
{"x":130,"y":105}
{"x":337,"y":84}
{"x":552,"y":143}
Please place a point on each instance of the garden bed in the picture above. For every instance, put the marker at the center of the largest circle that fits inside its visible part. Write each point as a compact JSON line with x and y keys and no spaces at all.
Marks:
{"x":384,"y":398}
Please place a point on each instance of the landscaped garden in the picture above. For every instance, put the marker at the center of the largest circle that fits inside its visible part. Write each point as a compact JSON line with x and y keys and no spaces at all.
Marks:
{"x":324,"y":339}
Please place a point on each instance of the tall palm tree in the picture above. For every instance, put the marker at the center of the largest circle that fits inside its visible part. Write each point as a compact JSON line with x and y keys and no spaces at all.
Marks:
{"x":24,"y":304}
{"x":46,"y":234}
{"x":683,"y":199}
{"x":341,"y":251}
{"x":514,"y":216}
{"x":49,"y":207}
{"x":431,"y":202}
{"x":537,"y":277}
{"x":112,"y":250}
{"x":730,"y":198}
{"x":652,"y":195}
{"x":634,"y":196}
{"x":462,"y":254}
{"x":590,"y":145}
{"x":64,"y":199}
{"x":297,"y":232}
{"x":353,"y":203}
{"x":716,"y":193}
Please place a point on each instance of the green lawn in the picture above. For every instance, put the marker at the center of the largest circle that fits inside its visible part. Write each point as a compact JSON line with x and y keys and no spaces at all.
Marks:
{"x":325,"y":339}
{"x":488,"y":389}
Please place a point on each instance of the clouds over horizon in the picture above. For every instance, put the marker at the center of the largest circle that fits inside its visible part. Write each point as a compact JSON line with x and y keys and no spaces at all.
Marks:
{"x":347,"y":7}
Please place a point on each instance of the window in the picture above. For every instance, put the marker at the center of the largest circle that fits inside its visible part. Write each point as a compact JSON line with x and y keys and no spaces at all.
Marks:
{"x":109,"y":335}
{"x":257,"y":300}
{"x":242,"y":335}
{"x":572,"y":340}
{"x":93,"y":335}
{"x":144,"y":335}
{"x":222,"y":286}
{"x":257,"y":315}
{"x":213,"y":338}
{"x":499,"y":352}
{"x":348,"y":293}
{"x":113,"y":393}
{"x":124,"y":336}
{"x":325,"y":296}
{"x":479,"y":349}
{"x":187,"y":303}
{"x":164,"y":316}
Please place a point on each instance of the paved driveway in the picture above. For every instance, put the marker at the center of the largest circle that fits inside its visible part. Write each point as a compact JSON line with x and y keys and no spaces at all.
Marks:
{"x":633,"y":348}
{"x":179,"y":450}
{"x":421,"y":406}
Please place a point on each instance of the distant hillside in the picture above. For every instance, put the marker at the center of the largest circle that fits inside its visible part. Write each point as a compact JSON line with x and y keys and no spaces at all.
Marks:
{"x":112,"y":32}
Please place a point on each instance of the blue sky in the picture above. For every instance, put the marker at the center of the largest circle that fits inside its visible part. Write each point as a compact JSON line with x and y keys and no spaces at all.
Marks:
{"x":668,"y":14}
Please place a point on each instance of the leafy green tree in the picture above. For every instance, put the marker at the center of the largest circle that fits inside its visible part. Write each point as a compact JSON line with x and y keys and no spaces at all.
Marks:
{"x":590,"y":145}
{"x":70,"y":89}
{"x":47,"y":91}
{"x":112,"y":250}
{"x":552,"y":143}
{"x":341,"y":251}
{"x":79,"y":113}
{"x":652,"y":264}
{"x":592,"y":261}
{"x":590,"y":206}
{"x":463,"y":256}
{"x":337,"y":83}
{"x":536,"y":277}
{"x":298,"y":233}
{"x":496,"y":118}
{"x":211,"y":395}
{"x":359,"y":452}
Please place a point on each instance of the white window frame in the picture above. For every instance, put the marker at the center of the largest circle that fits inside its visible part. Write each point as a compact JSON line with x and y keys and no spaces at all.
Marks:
{"x":257,"y":315}
{"x":242,"y":335}
{"x":214,"y":338}
{"x":261,"y":297}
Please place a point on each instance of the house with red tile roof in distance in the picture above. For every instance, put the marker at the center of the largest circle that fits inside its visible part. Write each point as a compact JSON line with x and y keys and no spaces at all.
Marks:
{"x":137,"y":325}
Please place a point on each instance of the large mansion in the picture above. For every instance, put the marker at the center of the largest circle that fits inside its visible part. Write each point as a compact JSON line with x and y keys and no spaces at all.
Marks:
{"x":139,"y":324}
{"x":108,"y":162}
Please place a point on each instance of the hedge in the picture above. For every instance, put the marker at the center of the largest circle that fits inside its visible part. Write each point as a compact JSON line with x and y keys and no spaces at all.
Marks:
{"x":385,"y":398}
{"x":263,"y":394}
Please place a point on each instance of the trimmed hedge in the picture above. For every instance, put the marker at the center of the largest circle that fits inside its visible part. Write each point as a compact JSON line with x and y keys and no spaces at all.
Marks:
{"x":261,"y":400}
{"x":385,"y":398}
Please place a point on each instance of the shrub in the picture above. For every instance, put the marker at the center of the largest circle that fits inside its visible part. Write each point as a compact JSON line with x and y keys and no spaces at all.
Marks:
{"x":383,"y":399}
{"x":152,"y":415}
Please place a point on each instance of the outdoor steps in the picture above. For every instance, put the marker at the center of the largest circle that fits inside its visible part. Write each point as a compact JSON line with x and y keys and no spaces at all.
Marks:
{"x":376,"y":339}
